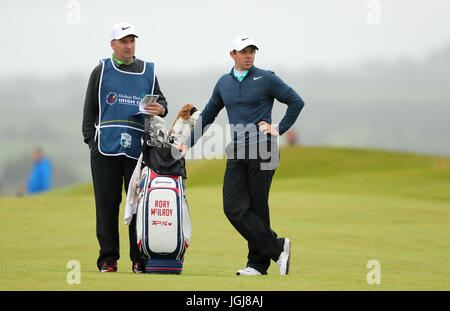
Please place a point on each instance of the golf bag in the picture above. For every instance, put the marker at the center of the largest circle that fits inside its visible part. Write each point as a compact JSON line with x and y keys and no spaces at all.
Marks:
{"x":163,"y":224}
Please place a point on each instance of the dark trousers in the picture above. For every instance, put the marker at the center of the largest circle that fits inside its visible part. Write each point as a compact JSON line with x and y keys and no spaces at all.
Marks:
{"x":109,"y":174}
{"x":245,"y":201}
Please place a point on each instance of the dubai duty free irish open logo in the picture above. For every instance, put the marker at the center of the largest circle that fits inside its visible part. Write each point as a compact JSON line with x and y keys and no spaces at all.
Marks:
{"x":111,"y":98}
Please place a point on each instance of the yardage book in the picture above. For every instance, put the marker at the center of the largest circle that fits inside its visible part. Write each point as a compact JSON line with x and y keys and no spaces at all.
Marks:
{"x":149,"y":98}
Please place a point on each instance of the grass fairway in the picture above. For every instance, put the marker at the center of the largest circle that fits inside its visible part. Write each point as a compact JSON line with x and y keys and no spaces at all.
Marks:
{"x":340,"y":207}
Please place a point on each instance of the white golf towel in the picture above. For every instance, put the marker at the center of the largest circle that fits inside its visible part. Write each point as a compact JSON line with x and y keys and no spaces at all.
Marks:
{"x":133,"y":192}
{"x":158,"y":124}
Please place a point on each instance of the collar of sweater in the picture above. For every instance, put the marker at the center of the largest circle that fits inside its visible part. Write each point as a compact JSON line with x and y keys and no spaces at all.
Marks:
{"x":239,"y":75}
{"x":249,"y":72}
{"x":119,"y":62}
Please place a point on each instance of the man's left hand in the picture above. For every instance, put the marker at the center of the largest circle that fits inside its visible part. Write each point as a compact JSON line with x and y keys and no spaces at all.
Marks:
{"x":154,"y":109}
{"x":267,"y":128}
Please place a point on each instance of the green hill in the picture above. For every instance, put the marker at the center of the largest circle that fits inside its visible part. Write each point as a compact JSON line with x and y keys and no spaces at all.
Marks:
{"x":341,"y":208}
{"x":345,"y":170}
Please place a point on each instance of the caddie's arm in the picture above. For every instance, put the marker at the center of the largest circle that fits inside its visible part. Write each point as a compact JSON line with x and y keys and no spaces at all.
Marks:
{"x":158,"y":108}
{"x":90,"y":109}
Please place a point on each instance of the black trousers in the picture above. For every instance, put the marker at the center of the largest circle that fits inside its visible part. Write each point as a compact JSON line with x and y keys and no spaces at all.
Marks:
{"x":245,"y":201}
{"x":109,"y":175}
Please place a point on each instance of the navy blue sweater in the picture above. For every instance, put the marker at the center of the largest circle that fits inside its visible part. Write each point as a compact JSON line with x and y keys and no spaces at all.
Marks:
{"x":247,"y":103}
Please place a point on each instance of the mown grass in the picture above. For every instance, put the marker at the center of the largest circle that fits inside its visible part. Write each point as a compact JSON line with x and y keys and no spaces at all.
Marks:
{"x":340,"y":207}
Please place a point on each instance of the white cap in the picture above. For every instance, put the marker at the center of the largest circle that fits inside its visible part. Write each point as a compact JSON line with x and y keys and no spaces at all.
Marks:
{"x":241,"y":42}
{"x":121,"y":30}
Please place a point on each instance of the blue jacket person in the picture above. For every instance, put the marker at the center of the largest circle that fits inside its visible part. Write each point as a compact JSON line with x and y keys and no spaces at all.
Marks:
{"x":40,"y":178}
{"x":247,"y":93}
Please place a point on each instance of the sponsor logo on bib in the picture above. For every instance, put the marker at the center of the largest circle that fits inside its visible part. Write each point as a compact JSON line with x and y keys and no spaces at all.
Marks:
{"x":125,"y":140}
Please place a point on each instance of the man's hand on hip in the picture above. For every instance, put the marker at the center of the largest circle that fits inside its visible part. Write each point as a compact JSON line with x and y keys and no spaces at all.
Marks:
{"x":267,"y":128}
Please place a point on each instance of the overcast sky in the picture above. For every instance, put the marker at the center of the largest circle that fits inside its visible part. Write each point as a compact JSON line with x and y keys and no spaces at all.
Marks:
{"x":66,"y":36}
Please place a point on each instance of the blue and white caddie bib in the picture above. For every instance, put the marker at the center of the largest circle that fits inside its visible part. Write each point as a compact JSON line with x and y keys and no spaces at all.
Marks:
{"x":121,"y":127}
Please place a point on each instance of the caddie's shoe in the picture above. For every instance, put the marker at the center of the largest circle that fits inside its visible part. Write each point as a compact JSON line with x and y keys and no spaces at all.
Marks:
{"x":248,"y":271}
{"x":109,"y":266}
{"x":285,"y":257}
{"x":138,"y":267}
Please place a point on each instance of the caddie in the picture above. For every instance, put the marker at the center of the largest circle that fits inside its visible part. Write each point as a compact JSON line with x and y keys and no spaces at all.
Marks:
{"x":113,"y":128}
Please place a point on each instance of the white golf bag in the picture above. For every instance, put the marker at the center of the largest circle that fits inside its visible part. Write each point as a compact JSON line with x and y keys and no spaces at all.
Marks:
{"x":156,"y":194}
{"x":163,"y":223}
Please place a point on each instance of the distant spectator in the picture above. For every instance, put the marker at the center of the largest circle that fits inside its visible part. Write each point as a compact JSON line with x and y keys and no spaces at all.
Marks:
{"x":41,"y":173}
{"x":291,"y":137}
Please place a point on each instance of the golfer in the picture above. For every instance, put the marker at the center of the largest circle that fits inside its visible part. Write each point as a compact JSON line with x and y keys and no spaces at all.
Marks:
{"x":247,"y":93}
{"x":113,"y":127}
